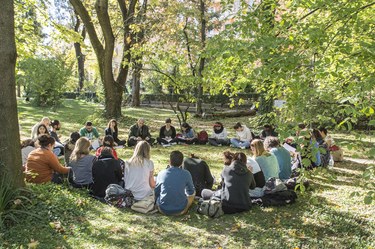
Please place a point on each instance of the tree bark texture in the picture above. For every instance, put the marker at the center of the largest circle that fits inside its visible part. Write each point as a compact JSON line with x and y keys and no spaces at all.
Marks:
{"x":79,"y":55}
{"x":10,"y":153}
{"x":202,"y":10}
{"x":113,"y":89}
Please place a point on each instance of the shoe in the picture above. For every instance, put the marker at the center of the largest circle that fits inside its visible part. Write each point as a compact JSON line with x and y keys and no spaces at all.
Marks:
{"x":219,"y":145}
{"x":243,"y":147}
{"x":173,"y":143}
{"x":166,"y":145}
{"x":231,"y":145}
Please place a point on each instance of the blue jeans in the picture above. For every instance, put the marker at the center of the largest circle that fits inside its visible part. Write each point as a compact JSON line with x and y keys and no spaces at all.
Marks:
{"x":237,"y":143}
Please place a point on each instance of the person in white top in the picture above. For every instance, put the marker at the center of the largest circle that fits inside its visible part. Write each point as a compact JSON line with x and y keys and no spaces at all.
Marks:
{"x":219,"y":135}
{"x":139,"y":172}
{"x":34,"y":130}
{"x":243,"y":138}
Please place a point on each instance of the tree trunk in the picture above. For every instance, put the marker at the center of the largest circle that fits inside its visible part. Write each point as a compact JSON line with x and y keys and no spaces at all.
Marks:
{"x":10,"y":154}
{"x":202,"y":10}
{"x":79,"y":55}
{"x":136,"y":85}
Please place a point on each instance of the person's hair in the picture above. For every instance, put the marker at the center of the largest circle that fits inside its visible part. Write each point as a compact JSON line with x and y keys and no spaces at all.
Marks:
{"x":141,"y":152}
{"x":108,"y":141}
{"x":88,"y":123}
{"x":271,"y":142}
{"x":45,"y":127}
{"x":106,"y":151}
{"x":324,"y":130}
{"x":301,"y":126}
{"x":218,"y":124}
{"x":258,"y":148}
{"x":54,"y":123}
{"x":187,"y":126}
{"x":27,"y":142}
{"x":168,"y":120}
{"x":44,"y":140}
{"x":109,"y":124}
{"x":316,"y":134}
{"x":74,"y":136}
{"x":82,"y":147}
{"x":237,"y":125}
{"x":45,"y":119}
{"x":228,"y":157}
{"x":176,"y":158}
{"x":267,"y":126}
{"x":240,"y":157}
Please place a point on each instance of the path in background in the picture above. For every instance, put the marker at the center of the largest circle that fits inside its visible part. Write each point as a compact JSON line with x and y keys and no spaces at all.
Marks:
{"x":359,"y":160}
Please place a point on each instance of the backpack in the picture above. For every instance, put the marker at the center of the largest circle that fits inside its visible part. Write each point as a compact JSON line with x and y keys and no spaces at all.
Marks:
{"x":202,"y":137}
{"x":117,"y":196}
{"x":277,"y":199}
{"x":274,"y":185}
{"x":212,"y":208}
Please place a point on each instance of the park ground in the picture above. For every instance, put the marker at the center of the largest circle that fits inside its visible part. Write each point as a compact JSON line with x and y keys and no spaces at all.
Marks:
{"x":327,"y":215}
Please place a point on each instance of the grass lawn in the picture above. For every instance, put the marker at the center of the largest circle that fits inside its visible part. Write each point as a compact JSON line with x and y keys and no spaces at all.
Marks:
{"x":326,"y":216}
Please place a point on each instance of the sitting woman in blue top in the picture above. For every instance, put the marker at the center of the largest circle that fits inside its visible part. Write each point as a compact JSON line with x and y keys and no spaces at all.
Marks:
{"x":267,"y":162}
{"x":272,"y":144}
{"x":219,"y":135}
{"x":324,"y":149}
{"x":188,"y":135}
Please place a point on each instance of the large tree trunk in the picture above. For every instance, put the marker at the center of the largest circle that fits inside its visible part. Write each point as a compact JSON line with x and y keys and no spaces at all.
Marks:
{"x":202,"y":10}
{"x":79,"y":55}
{"x":10,"y":154}
{"x":136,"y":85}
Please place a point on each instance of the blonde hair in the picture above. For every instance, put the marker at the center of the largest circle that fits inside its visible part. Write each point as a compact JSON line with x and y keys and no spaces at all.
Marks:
{"x":82,"y":147}
{"x":141,"y":152}
{"x":258,"y":146}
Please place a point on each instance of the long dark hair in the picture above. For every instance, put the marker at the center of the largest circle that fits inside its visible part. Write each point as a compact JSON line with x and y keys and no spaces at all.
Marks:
{"x":218,"y":124}
{"x":187,"y":126}
{"x":109,"y":124}
{"x":45,"y":127}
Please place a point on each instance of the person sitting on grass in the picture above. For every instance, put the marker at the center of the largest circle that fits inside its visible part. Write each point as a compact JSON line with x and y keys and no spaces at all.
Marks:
{"x":174,"y":191}
{"x":88,"y":131}
{"x":69,"y":146}
{"x":244,"y":136}
{"x":268,"y":130}
{"x":324,"y":148}
{"x":107,"y":142}
{"x":106,"y":170}
{"x":42,"y":165}
{"x":139,"y":132}
{"x":139,"y":172}
{"x":27,"y":146}
{"x":34,"y":129}
{"x":219,"y":135}
{"x":42,"y":129}
{"x":336,"y":152}
{"x":272,"y":144}
{"x":59,"y":147}
{"x":236,"y":182}
{"x":200,"y":172}
{"x":81,"y":163}
{"x":188,"y":135}
{"x":167,"y":134}
{"x":267,"y":161}
{"x":112,"y":130}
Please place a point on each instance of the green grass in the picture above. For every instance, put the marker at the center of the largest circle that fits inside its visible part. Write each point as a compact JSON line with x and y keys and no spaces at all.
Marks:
{"x":324,"y":217}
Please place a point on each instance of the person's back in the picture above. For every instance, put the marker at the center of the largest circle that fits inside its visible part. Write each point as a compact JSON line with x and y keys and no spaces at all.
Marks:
{"x":137,"y":178}
{"x":284,"y":161}
{"x":237,"y":180}
{"x":174,"y":191}
{"x":105,"y":171}
{"x":269,"y":166}
{"x":82,"y":170}
{"x":200,"y":172}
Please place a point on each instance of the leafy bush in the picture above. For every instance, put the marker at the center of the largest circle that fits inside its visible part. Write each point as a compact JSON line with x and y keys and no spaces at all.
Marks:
{"x":11,"y":200}
{"x":43,"y":80}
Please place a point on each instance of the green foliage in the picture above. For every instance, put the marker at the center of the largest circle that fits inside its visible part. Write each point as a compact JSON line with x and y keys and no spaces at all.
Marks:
{"x":43,"y":80}
{"x":12,"y":201}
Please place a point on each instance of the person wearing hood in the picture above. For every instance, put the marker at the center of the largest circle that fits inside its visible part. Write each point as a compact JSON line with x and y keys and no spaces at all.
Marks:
{"x":219,"y":135}
{"x":237,"y":179}
{"x":106,"y":170}
{"x":244,"y":136}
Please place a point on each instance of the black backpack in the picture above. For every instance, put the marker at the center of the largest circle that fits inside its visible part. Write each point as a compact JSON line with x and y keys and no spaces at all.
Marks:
{"x":117,"y":196}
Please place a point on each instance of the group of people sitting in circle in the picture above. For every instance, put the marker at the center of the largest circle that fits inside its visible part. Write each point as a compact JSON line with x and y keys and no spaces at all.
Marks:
{"x":175,"y":187}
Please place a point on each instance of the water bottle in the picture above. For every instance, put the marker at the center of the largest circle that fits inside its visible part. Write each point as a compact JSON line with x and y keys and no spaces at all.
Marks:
{"x":331,"y":162}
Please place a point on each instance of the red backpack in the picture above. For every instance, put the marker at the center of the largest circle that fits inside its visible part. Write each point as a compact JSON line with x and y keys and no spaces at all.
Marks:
{"x":202,"y":137}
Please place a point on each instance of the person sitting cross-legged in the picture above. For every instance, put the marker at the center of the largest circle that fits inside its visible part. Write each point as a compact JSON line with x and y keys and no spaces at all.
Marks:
{"x":272,"y":144}
{"x":243,"y":138}
{"x":112,"y":130}
{"x":167,"y":134}
{"x":174,"y":191}
{"x":219,"y":135}
{"x":139,"y":132}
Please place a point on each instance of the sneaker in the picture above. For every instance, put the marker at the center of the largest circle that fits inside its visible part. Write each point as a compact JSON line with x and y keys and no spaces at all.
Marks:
{"x":173,"y":143}
{"x":243,"y":147}
{"x":231,"y":145}
{"x":166,"y":145}
{"x":219,"y":145}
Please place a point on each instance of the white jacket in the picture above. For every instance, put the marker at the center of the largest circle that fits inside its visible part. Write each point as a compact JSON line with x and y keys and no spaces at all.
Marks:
{"x":244,"y":135}
{"x":222,"y":135}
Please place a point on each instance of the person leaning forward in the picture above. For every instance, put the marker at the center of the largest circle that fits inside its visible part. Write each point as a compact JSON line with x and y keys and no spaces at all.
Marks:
{"x":139,"y":132}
